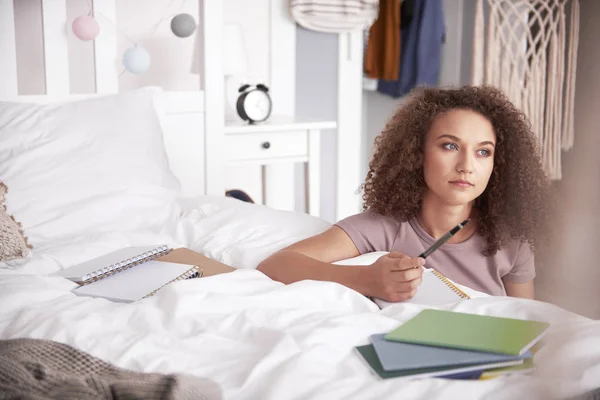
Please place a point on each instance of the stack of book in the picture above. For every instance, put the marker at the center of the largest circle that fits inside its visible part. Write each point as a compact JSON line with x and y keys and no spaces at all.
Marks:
{"x":448,"y":344}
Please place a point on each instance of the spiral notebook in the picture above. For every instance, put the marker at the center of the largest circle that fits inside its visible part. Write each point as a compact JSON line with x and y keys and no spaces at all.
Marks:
{"x":138,"y":282}
{"x":435,"y":288}
{"x":132,"y":273}
{"x":112,"y":263}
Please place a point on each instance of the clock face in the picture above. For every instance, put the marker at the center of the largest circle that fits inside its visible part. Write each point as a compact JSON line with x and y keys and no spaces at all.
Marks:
{"x":257,"y":105}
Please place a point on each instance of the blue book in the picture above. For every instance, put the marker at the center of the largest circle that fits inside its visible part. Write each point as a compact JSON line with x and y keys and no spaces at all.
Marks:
{"x":396,"y":356}
{"x":367,"y":353}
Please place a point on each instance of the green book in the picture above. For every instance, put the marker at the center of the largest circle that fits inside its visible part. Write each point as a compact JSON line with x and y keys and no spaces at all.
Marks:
{"x":470,"y":332}
{"x":464,"y":371}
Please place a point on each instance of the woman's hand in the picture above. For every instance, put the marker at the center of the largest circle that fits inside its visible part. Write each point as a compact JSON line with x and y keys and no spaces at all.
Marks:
{"x":395,"y":277}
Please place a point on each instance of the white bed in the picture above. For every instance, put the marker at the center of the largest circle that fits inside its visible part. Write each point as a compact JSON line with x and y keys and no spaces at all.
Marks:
{"x":256,"y":338}
{"x":259,"y":339}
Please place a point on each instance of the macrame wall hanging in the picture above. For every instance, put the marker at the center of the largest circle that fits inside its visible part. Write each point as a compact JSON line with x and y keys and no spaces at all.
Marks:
{"x":528,"y":48}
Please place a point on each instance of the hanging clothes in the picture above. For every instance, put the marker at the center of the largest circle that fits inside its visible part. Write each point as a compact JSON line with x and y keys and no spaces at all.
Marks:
{"x":382,"y":55}
{"x":422,"y":35}
{"x":368,"y":84}
{"x":337,"y":16}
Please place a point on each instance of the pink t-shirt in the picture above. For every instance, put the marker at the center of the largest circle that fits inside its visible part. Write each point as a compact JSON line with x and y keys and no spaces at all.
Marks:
{"x":463,"y":262}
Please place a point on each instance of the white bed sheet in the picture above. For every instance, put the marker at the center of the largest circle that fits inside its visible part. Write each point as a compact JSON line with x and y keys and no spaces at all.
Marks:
{"x":260,"y":339}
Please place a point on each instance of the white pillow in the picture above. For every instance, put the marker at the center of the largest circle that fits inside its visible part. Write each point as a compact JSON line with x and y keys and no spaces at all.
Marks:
{"x":89,"y":166}
{"x":241,"y":234}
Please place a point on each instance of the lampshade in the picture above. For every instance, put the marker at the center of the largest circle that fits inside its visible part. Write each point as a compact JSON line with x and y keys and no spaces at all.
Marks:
{"x":234,"y":51}
{"x":197,"y":53}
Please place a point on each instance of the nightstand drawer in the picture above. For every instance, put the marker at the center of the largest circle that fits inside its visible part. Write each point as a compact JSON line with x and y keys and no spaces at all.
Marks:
{"x":256,"y":146}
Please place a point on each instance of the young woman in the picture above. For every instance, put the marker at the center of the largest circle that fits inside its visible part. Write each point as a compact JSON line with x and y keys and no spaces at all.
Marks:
{"x":445,"y":156}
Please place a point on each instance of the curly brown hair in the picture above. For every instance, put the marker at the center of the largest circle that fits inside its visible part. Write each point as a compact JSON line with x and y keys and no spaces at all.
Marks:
{"x":515,"y":203}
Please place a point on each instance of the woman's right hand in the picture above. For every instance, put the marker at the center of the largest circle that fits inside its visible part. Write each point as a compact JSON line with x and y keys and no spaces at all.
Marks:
{"x":395,"y":277}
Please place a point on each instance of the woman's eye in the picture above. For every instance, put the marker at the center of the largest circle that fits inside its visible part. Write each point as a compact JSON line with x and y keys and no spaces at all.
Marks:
{"x":484,"y":152}
{"x":450,"y":146}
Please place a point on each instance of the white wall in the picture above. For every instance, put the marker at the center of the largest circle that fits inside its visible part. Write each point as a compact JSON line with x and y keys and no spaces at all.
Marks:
{"x":567,"y":267}
{"x":316,"y":98}
{"x":29,"y":47}
{"x":81,"y":54}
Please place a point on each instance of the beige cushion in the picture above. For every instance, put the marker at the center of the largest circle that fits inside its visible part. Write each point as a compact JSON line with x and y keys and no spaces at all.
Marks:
{"x":13,"y":243}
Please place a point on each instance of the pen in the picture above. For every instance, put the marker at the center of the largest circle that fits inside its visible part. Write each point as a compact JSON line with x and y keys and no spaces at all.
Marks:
{"x":444,"y":239}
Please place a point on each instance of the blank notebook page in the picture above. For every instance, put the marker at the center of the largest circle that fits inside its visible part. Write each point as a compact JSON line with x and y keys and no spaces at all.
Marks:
{"x":432,"y":291}
{"x":134,"y":283}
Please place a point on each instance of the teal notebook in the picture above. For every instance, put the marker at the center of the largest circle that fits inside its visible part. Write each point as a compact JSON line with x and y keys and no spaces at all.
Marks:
{"x":465,"y":371}
{"x":470,"y":332}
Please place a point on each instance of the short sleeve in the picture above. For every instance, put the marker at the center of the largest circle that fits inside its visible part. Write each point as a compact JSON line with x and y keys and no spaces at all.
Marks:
{"x":523,"y":269}
{"x":370,"y":231}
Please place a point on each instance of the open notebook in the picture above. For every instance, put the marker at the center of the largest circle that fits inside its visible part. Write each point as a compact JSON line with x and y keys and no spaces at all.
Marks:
{"x":112,"y":263}
{"x":138,"y":282}
{"x":435,"y":289}
{"x":132,"y":273}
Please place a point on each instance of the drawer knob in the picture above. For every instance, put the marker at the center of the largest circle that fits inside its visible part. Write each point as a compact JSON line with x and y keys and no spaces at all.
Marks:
{"x":266,"y":145}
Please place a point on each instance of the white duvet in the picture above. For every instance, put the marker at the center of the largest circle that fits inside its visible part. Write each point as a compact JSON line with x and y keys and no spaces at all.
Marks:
{"x":260,"y":339}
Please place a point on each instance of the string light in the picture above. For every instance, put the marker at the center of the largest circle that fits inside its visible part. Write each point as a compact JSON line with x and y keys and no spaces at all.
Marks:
{"x":135,"y":59}
{"x":85,"y":27}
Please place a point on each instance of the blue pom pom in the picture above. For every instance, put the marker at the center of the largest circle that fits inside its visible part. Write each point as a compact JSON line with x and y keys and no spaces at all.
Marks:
{"x":136,"y":60}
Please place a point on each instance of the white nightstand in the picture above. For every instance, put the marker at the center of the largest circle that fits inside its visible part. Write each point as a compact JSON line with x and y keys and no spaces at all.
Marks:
{"x":280,"y":140}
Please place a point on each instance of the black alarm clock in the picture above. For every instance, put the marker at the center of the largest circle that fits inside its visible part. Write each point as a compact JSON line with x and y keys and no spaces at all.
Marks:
{"x":254,"y":103}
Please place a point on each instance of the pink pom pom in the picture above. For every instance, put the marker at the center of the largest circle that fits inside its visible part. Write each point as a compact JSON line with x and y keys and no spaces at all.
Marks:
{"x":85,"y":27}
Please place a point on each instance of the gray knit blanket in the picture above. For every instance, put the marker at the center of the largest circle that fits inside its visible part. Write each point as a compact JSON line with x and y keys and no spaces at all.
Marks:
{"x":36,"y":369}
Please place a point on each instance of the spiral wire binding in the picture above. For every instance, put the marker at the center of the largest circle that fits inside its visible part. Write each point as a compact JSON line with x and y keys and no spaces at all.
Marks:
{"x":192,"y":273}
{"x":452,"y":286}
{"x":125,"y":264}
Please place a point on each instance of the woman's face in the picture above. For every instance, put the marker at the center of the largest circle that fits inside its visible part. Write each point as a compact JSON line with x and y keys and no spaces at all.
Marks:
{"x":458,"y":156}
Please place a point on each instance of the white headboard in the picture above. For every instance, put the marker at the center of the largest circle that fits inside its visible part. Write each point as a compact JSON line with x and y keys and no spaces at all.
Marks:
{"x":195,"y":157}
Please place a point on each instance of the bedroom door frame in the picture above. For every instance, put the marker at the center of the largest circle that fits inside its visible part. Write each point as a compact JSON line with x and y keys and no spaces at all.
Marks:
{"x":350,"y":154}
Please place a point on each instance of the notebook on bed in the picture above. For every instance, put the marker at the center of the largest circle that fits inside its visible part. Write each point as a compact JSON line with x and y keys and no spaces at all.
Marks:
{"x":133,"y":273}
{"x":435,"y":288}
{"x":466,"y":331}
